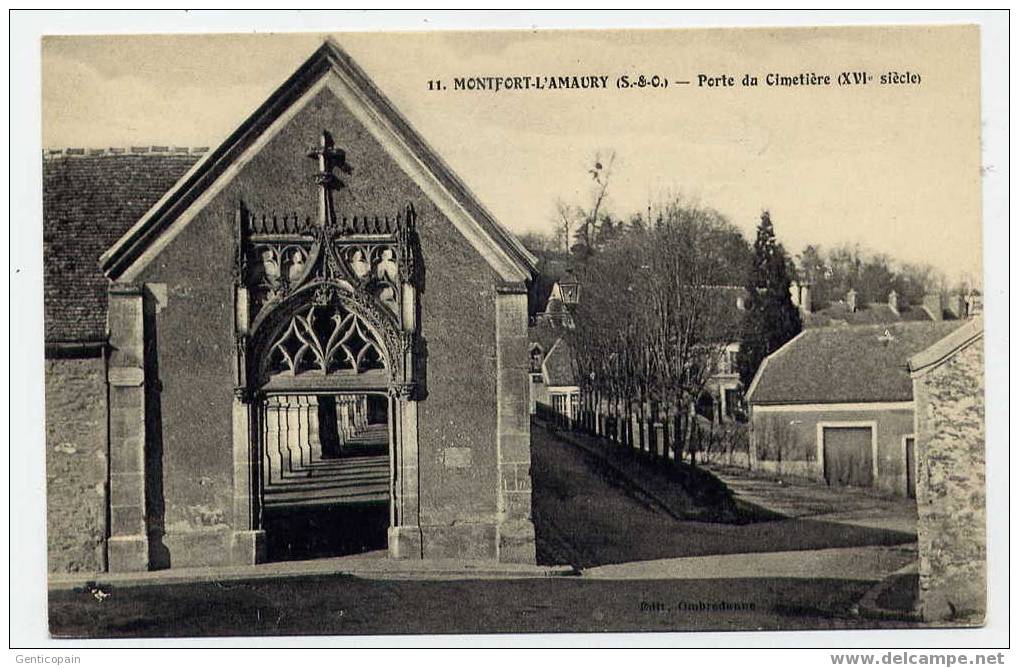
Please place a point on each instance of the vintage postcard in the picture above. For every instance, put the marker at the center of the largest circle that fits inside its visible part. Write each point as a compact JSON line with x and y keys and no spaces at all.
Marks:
{"x":513,"y":331}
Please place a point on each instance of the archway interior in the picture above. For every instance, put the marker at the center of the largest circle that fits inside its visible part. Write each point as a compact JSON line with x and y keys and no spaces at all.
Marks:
{"x":326,"y":473}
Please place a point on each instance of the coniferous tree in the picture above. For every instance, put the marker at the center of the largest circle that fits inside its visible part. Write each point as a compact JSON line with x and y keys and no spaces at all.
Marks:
{"x":771,"y":319}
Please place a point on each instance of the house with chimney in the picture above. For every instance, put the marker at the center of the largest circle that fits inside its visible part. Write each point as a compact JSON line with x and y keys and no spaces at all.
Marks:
{"x":552,"y":365}
{"x":851,"y":310}
{"x":836,"y":404}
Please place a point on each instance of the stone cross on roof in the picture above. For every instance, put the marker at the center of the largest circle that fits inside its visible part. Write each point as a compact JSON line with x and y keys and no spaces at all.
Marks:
{"x":329,"y":158}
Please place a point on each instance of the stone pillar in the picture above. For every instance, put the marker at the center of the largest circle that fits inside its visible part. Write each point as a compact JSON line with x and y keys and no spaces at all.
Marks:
{"x":343,"y":417}
{"x":128,"y":546}
{"x":405,"y":541}
{"x":247,"y":543}
{"x":515,"y":533}
{"x":314,"y":439}
{"x":274,"y":451}
{"x":303,"y":419}
{"x":291,"y":434}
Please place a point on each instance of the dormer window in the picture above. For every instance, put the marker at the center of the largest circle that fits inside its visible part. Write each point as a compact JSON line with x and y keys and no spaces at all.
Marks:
{"x":537,"y":357}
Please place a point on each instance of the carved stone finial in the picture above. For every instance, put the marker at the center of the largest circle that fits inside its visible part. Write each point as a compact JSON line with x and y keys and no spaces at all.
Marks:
{"x":402,"y":390}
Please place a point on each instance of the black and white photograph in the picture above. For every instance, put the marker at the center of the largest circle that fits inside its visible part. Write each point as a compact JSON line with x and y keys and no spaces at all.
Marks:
{"x":454,"y":332}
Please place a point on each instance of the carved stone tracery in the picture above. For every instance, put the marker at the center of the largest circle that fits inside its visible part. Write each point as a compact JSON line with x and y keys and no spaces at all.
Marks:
{"x":326,"y":296}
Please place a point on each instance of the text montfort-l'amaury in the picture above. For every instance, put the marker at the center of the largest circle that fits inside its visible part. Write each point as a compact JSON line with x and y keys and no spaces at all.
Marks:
{"x":526,"y":82}
{"x":599,"y":82}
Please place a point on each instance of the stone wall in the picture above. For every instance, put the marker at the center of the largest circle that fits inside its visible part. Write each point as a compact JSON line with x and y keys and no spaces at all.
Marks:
{"x":76,"y":464}
{"x":951,"y":527}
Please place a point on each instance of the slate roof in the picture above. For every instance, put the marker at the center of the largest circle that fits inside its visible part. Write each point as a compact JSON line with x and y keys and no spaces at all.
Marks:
{"x":545,"y":332}
{"x":558,"y":361}
{"x":559,"y":366}
{"x":845,"y":364}
{"x":88,"y":202}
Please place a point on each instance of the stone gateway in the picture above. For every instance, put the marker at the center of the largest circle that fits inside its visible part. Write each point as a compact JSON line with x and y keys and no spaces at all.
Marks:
{"x":315,"y":343}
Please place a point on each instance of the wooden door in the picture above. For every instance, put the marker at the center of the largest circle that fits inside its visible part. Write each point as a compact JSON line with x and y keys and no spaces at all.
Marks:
{"x":848,"y":457}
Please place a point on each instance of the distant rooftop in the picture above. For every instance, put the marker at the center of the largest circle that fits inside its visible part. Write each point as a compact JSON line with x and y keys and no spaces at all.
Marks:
{"x":846,"y":364}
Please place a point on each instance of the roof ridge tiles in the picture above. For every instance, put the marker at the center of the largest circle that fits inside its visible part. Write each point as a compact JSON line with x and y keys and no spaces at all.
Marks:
{"x":153,"y":149}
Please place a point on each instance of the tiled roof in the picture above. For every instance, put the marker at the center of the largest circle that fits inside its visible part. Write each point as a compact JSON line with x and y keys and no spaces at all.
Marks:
{"x":545,"y":332}
{"x":559,"y":366}
{"x":558,"y":361}
{"x":846,"y":364}
{"x":89,"y":200}
{"x":867,"y":314}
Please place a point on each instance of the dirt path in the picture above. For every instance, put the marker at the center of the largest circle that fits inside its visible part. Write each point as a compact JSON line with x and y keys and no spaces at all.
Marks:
{"x":586,"y":515}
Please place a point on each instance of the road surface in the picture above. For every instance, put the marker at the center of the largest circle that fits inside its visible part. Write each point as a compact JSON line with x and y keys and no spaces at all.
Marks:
{"x":641,"y":569}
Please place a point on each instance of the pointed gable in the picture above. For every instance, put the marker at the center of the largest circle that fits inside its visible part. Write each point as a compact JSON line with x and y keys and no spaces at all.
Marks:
{"x":329,"y":68}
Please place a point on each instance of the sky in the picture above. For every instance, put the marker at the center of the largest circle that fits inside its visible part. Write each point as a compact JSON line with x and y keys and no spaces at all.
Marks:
{"x":895,"y":168}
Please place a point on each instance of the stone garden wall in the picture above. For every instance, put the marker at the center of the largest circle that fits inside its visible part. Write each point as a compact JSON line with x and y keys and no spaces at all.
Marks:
{"x":950,"y":486}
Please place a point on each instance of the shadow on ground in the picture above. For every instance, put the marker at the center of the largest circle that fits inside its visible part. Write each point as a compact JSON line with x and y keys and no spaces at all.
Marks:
{"x":585,"y":514}
{"x":343,"y":605}
{"x":900,"y":593}
{"x":325,"y":531}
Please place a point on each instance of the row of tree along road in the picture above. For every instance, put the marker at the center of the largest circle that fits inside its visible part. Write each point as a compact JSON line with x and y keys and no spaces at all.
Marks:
{"x":661,"y":306}
{"x":665,"y":295}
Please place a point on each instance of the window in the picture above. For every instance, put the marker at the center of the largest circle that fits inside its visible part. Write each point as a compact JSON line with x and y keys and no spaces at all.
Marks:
{"x":537,"y":357}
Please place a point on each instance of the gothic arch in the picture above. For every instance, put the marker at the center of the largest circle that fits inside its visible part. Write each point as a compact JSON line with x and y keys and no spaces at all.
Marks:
{"x":326,"y":305}
{"x":325,"y":335}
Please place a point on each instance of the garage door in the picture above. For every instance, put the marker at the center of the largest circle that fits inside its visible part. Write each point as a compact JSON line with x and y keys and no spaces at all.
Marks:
{"x":848,"y":458}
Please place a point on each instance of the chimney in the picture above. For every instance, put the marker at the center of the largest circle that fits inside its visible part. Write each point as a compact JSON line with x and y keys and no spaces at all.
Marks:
{"x":934,"y":305}
{"x":805,"y":304}
{"x":974,"y":303}
{"x":851,"y":300}
{"x":893,"y":301}
{"x":956,"y":306}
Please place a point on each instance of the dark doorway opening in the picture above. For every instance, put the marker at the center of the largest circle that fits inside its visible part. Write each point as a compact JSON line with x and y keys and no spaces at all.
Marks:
{"x":911,"y":467}
{"x":326,"y":474}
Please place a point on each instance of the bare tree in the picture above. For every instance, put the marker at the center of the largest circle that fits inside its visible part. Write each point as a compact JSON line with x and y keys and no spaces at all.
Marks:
{"x":653,"y":321}
{"x":580,"y":225}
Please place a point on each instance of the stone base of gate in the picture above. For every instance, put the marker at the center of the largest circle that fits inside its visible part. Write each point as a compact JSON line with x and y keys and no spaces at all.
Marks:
{"x":516,"y":542}
{"x":510,"y":542}
{"x":405,"y":542}
{"x":247,"y":547}
{"x":468,"y":541}
{"x":128,"y":553}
